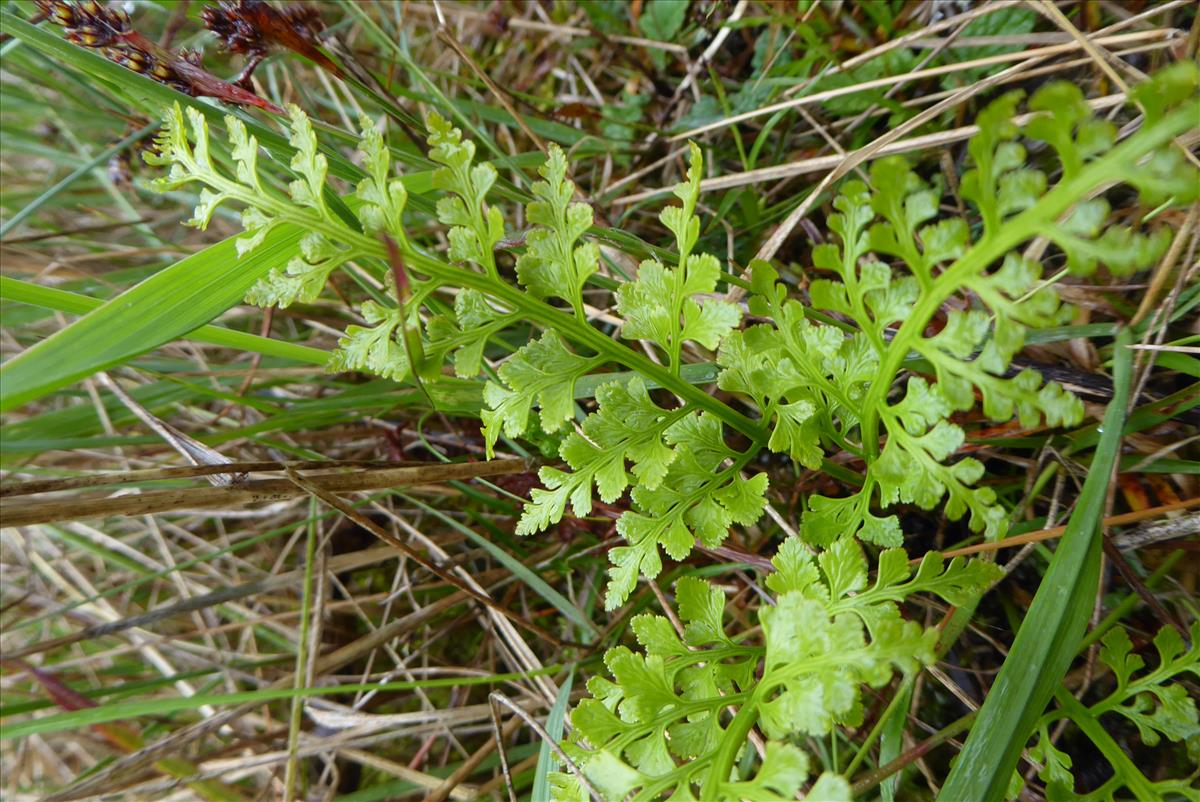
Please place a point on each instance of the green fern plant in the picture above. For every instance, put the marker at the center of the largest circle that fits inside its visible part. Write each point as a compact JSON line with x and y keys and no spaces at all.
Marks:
{"x":850,"y":377}
{"x":883,"y":384}
{"x":799,"y":386}
{"x":675,"y":718}
{"x":1158,"y":707}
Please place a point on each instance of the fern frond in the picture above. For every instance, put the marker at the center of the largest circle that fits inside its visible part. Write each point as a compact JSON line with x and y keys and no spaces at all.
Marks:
{"x":553,"y":265}
{"x":661,"y":306}
{"x":656,"y":728}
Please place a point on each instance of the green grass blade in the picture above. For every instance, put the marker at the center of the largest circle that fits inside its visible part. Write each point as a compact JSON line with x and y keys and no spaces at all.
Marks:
{"x":118,"y":711}
{"x":547,"y":761}
{"x":1050,"y":634}
{"x":168,"y":305}
{"x":73,"y":303}
{"x":296,"y":715}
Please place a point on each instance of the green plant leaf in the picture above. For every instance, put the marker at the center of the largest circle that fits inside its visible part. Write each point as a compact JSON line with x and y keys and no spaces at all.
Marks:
{"x":552,"y":264}
{"x":694,"y":492}
{"x":164,"y":307}
{"x":627,"y":426}
{"x":543,"y":372}
{"x":542,"y":777}
{"x":1050,"y":632}
{"x":374,"y":348}
{"x":475,"y":227}
{"x":661,"y":306}
{"x":662,"y":19}
{"x":657,"y":726}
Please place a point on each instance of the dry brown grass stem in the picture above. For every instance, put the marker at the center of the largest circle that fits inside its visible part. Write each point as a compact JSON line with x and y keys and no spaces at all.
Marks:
{"x":26,"y":513}
{"x":818,"y":164}
{"x":930,"y":72}
{"x":1057,"y":531}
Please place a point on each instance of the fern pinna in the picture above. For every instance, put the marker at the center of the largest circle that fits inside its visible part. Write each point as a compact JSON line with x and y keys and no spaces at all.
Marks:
{"x":859,"y":369}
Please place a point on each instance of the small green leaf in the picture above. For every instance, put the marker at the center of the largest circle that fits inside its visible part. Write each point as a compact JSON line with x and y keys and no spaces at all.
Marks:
{"x":697,"y":500}
{"x":553,"y":265}
{"x":475,"y":227}
{"x":308,"y":163}
{"x":628,"y":426}
{"x":373,"y":349}
{"x":662,"y":19}
{"x":661,"y":305}
{"x":543,"y":372}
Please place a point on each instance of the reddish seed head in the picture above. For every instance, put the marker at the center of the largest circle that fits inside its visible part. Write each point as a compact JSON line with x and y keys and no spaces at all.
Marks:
{"x":229,"y":24}
{"x":253,"y":26}
{"x":60,"y":13}
{"x":92,"y":24}
{"x":88,"y":23}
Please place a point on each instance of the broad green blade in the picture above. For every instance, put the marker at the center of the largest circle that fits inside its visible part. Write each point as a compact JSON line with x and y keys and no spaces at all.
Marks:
{"x":1050,"y":634}
{"x":12,"y":289}
{"x":164,"y":307}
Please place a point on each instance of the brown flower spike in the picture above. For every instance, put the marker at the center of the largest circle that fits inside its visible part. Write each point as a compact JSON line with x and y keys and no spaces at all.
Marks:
{"x":253,"y":27}
{"x":91,"y":24}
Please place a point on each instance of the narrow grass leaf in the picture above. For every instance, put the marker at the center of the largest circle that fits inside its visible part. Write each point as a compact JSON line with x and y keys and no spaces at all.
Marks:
{"x":75,"y":304}
{"x":547,"y":760}
{"x":178,"y":704}
{"x":168,"y":305}
{"x":1049,"y":636}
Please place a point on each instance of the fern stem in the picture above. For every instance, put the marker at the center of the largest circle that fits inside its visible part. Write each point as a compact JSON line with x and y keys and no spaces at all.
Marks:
{"x":733,"y":740}
{"x":1001,"y":240}
{"x":676,"y":342}
{"x":1143,"y":790}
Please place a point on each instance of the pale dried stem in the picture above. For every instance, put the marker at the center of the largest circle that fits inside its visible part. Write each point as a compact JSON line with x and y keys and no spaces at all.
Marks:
{"x":1032,"y":56}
